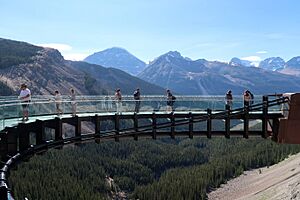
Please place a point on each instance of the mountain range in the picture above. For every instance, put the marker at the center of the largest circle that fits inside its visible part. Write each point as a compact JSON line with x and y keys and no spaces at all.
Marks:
{"x":185,"y":76}
{"x":44,"y":70}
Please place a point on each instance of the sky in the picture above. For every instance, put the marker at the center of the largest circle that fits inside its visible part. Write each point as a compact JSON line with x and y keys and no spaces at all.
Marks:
{"x":210,"y":29}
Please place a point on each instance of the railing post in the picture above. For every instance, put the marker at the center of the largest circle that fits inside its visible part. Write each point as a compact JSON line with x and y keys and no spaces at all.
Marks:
{"x":265,"y":117}
{"x":12,"y":140}
{"x":246,"y":122}
{"x":172,"y":117}
{"x":191,"y":125}
{"x":208,"y":123}
{"x":3,"y":190}
{"x":227,"y":122}
{"x":117,"y":127}
{"x":58,"y":129}
{"x":275,"y":129}
{"x":3,"y":145}
{"x":154,"y":126}
{"x":97,"y":129}
{"x":136,"y":125}
{"x":77,"y":126}
{"x":39,"y":131}
{"x":23,"y":137}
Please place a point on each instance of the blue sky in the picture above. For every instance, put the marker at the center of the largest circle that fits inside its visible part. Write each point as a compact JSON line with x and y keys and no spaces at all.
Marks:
{"x":210,"y":29}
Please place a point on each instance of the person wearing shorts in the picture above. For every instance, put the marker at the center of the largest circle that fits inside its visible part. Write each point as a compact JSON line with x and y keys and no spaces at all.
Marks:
{"x":25,"y":97}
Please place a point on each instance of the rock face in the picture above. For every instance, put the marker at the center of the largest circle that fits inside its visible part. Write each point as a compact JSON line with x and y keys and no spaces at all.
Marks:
{"x":117,"y":58}
{"x":293,"y":63}
{"x":46,"y":73}
{"x":292,"y":67}
{"x":201,"y":77}
{"x":44,"y":70}
{"x":273,"y":64}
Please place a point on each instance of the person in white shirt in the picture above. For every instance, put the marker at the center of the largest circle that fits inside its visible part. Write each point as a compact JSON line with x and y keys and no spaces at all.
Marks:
{"x":58,"y":102}
{"x":25,"y":96}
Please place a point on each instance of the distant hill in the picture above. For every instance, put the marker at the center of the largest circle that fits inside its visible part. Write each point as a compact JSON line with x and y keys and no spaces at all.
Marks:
{"x":173,"y":71}
{"x":44,"y":70}
{"x":111,"y":78}
{"x":117,"y":58}
{"x":14,"y":52}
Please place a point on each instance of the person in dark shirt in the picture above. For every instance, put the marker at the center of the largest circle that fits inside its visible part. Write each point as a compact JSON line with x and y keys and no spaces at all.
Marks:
{"x":137,"y":98}
{"x":170,"y":101}
{"x":229,"y":99}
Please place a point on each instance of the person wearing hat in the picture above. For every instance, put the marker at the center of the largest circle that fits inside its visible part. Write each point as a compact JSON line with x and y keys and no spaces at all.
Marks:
{"x":25,"y":97}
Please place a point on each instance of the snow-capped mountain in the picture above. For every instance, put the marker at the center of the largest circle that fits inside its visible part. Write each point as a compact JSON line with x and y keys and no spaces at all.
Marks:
{"x":183,"y":76}
{"x":240,"y":62}
{"x":273,"y":63}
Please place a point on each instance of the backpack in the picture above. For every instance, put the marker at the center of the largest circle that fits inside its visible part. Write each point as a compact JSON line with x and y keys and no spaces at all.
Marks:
{"x":173,"y":98}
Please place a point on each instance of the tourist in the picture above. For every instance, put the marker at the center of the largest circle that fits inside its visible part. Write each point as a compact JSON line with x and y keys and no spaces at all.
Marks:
{"x":118,"y":98}
{"x":229,"y":99}
{"x":170,"y":101}
{"x":247,"y":98}
{"x":58,"y":102}
{"x":25,"y":96}
{"x":137,"y":98}
{"x":73,"y":102}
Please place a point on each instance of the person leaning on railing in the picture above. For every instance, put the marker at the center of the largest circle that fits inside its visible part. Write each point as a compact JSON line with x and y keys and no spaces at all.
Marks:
{"x":247,"y":98}
{"x":25,"y":96}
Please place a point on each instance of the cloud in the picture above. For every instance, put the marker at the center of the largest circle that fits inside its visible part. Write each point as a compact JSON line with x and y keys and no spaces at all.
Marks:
{"x":274,"y":36}
{"x":261,"y":52}
{"x":75,"y":56}
{"x":66,"y":51}
{"x":59,"y":47}
{"x":252,"y":58}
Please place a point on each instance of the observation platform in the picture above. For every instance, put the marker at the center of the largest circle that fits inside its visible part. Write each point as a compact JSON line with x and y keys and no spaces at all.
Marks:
{"x":97,"y":119}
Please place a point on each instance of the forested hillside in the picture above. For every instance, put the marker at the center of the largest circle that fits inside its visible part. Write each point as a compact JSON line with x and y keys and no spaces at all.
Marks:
{"x":15,"y":53}
{"x":146,"y":169}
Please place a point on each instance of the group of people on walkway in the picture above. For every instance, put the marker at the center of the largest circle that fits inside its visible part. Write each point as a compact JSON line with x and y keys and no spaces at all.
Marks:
{"x":25,"y":97}
{"x":137,"y":99}
{"x":248,"y":98}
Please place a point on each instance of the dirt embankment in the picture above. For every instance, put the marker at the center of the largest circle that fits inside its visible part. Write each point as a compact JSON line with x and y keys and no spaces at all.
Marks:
{"x":280,"y":181}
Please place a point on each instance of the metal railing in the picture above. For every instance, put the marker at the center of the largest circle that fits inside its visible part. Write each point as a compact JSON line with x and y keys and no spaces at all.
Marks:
{"x":10,"y":107}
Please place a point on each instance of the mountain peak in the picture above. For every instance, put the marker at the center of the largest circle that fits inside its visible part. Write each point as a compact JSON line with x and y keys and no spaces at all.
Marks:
{"x":272,"y":63}
{"x":174,"y":54}
{"x":119,"y":58}
{"x":294,"y":63}
{"x":240,"y":62}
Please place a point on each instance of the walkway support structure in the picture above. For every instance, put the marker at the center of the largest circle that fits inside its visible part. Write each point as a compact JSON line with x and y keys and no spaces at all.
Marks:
{"x":289,"y":126}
